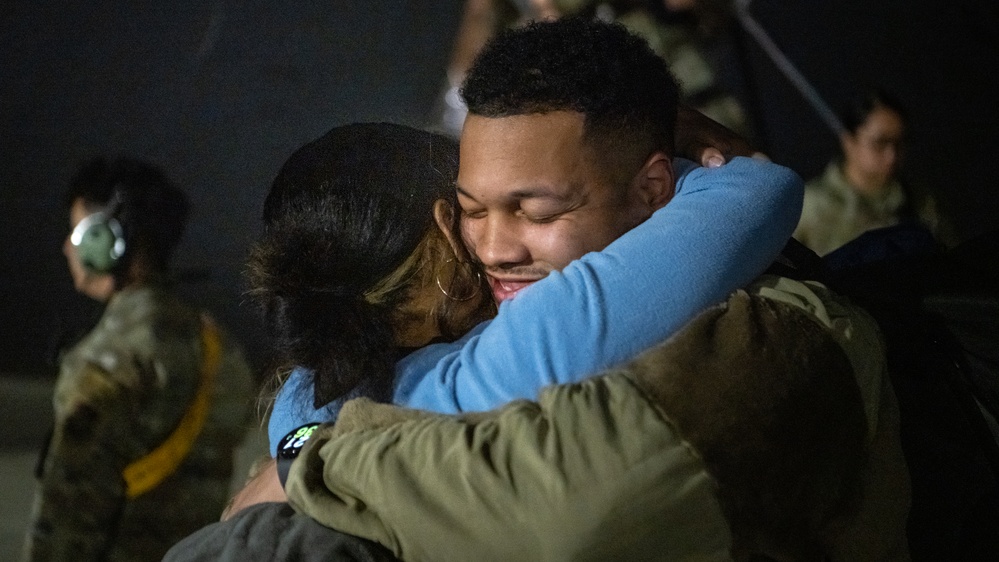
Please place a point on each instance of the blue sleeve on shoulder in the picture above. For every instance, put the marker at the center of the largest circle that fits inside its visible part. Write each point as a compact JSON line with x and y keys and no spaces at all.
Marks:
{"x":722,"y":229}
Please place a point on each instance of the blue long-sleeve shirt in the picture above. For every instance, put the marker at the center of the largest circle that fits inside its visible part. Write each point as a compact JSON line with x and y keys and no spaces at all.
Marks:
{"x":722,"y":229}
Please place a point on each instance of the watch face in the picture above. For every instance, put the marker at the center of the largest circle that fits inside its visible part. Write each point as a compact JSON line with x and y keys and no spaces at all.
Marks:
{"x":291,"y":444}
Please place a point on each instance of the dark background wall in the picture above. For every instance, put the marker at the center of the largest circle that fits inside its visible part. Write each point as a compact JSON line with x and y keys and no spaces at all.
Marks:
{"x":219,"y":93}
{"x":940,"y":58}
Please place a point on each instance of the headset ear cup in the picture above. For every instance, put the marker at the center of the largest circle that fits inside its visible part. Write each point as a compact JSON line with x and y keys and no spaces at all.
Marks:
{"x":99,"y":243}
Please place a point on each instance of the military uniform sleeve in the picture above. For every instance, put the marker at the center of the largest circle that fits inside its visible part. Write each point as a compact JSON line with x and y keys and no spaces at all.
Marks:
{"x":598,"y":470}
{"x":546,"y":480}
{"x":82,"y":492}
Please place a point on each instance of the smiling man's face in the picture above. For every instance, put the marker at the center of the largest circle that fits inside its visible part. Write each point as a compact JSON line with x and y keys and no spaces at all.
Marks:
{"x":533,"y":197}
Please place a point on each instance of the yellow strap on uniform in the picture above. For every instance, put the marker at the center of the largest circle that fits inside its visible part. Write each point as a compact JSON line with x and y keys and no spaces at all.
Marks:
{"x":148,"y":471}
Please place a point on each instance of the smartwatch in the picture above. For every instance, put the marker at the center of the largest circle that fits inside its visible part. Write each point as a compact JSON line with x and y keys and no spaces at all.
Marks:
{"x":290,"y":446}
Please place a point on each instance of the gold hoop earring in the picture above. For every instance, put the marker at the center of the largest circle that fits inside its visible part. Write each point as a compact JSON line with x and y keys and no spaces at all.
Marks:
{"x":473,"y":294}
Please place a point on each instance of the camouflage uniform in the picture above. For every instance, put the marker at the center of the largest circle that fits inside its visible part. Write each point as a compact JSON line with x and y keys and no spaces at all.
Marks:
{"x":686,"y":53}
{"x":120,"y":393}
{"x":680,"y":44}
{"x":689,"y":63}
{"x":834,"y":213}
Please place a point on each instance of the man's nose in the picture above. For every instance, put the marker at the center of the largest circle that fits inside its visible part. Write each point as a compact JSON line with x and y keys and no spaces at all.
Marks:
{"x":500,"y":243}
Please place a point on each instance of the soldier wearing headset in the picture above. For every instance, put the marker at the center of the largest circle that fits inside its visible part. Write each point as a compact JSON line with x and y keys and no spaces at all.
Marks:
{"x":150,"y":405}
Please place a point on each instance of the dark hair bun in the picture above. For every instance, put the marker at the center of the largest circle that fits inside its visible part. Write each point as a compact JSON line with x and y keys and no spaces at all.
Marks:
{"x":345,"y":211}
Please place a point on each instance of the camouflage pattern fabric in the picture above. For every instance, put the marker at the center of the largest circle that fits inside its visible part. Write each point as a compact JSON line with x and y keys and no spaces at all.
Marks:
{"x":120,"y":392}
{"x":833,"y":212}
{"x":687,"y":56}
{"x":684,"y":50}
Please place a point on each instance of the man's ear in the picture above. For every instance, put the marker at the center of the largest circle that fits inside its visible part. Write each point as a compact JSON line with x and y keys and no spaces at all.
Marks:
{"x":656,"y":180}
{"x":447,"y":222}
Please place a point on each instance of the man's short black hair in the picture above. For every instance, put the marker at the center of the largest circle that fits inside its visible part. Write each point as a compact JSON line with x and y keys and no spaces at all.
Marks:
{"x":151,"y":210}
{"x":624,"y":90}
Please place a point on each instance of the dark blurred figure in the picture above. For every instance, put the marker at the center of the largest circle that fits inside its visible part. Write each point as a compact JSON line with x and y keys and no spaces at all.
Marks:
{"x":860,"y":190}
{"x":688,"y":34}
{"x":151,"y":404}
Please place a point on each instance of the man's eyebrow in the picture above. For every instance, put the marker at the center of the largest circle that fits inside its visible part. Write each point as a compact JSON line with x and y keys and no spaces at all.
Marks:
{"x":461,"y":191}
{"x":536,"y":192}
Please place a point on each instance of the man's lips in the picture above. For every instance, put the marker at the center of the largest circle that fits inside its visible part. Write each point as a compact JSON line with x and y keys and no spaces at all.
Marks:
{"x":504,"y":289}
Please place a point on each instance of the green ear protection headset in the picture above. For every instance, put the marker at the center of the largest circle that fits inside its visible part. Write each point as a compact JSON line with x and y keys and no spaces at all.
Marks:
{"x":99,"y":239}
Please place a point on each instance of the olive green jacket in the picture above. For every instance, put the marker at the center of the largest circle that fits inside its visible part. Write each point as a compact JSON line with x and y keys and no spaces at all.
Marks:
{"x":765,"y":426}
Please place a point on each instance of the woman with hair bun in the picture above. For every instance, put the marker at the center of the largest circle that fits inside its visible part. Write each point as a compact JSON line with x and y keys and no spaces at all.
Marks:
{"x":351,"y":272}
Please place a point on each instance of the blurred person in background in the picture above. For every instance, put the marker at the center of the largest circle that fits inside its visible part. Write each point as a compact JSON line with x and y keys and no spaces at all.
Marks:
{"x":688,"y":34}
{"x":860,"y":190}
{"x":151,"y":404}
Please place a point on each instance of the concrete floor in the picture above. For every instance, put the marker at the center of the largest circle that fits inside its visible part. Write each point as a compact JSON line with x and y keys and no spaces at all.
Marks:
{"x":25,"y":419}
